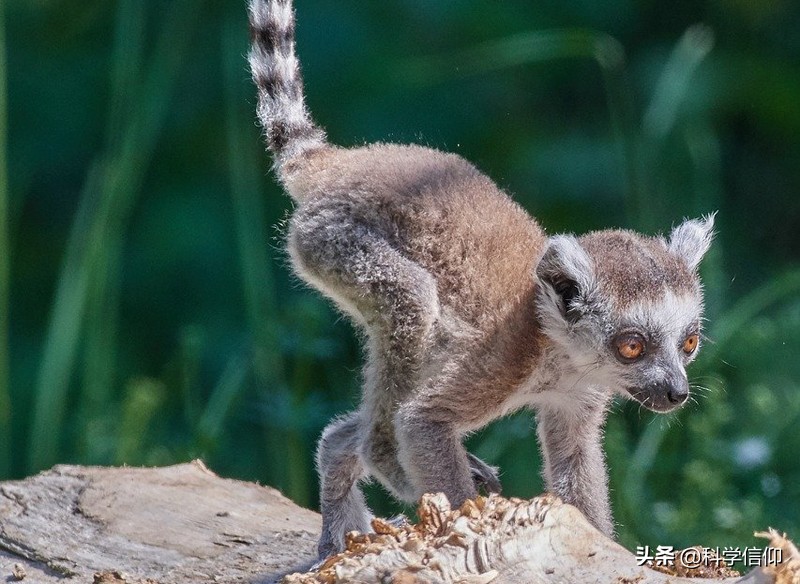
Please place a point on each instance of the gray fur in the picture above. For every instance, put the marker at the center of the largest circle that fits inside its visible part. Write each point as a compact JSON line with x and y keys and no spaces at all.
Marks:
{"x":468,"y":310}
{"x":692,"y":238}
{"x":574,"y":464}
{"x":340,"y":468}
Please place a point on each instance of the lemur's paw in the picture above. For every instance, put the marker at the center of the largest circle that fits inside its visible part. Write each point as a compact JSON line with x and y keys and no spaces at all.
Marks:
{"x":325,"y":548}
{"x":484,"y":475}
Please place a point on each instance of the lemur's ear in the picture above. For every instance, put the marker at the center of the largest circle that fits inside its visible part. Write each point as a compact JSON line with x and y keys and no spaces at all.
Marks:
{"x":567,"y":273}
{"x":691,"y":239}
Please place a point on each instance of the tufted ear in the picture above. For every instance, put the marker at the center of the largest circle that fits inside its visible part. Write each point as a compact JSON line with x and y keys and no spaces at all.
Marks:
{"x":691,"y":239}
{"x":566,"y":270}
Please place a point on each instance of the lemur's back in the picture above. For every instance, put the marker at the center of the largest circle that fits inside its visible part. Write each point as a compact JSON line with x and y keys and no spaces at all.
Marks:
{"x":439,"y":211}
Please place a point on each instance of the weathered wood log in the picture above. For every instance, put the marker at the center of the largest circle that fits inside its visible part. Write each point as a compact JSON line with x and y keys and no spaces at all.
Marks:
{"x":184,"y":524}
{"x":177,"y":524}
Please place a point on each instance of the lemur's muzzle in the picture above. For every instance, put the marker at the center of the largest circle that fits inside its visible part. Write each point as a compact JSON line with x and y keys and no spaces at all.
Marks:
{"x":664,"y":395}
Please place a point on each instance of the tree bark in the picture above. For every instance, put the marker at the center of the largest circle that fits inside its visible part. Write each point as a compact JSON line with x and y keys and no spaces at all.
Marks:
{"x":184,"y":524}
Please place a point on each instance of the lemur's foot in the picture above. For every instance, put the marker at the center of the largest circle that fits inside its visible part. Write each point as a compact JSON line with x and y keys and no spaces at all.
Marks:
{"x":325,"y":548}
{"x":484,"y":475}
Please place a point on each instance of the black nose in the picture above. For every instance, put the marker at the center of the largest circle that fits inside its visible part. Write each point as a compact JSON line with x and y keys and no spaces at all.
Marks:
{"x":678,"y":392}
{"x":665,"y":395}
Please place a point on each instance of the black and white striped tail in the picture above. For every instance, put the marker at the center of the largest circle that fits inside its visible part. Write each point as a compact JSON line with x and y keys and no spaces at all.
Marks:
{"x":288,"y":127}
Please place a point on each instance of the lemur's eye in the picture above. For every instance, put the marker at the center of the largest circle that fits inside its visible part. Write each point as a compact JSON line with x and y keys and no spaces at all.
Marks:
{"x":690,"y":344}
{"x":630,"y":347}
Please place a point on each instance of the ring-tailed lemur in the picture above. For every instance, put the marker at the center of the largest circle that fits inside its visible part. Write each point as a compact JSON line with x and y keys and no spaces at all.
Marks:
{"x":470,"y":311}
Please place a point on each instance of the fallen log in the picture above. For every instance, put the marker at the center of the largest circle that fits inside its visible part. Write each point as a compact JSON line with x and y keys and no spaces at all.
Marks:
{"x":184,"y":524}
{"x":171,"y":525}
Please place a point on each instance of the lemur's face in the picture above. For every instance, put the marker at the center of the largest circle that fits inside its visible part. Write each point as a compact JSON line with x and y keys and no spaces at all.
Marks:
{"x":653,"y":342}
{"x":627,"y":308}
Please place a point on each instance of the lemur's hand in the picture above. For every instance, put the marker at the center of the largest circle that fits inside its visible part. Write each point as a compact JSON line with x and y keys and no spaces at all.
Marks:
{"x":484,"y":475}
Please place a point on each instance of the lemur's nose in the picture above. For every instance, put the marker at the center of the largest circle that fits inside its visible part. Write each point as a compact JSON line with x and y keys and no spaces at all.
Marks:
{"x":678,"y":392}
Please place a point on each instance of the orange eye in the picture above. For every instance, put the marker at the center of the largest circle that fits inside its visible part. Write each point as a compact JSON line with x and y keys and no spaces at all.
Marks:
{"x":630,"y":347}
{"x":690,"y":344}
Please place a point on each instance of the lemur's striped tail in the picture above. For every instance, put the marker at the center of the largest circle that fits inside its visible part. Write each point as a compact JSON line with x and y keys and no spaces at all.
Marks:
{"x":288,"y":127}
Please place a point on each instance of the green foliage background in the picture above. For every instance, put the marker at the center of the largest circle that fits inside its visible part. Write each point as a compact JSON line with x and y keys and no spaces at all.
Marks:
{"x":146,"y":309}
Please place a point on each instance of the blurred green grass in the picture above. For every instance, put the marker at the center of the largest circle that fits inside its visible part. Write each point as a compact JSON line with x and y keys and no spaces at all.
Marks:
{"x":5,"y":394}
{"x":153,"y":317}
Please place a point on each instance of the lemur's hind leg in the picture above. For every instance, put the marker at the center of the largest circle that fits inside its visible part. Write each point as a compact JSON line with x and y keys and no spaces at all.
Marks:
{"x":385,"y":374}
{"x":397,"y":301}
{"x":394,"y":298}
{"x":340,"y":469}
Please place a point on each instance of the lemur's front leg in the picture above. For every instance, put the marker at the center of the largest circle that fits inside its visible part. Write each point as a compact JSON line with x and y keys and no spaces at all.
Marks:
{"x":574,"y":465}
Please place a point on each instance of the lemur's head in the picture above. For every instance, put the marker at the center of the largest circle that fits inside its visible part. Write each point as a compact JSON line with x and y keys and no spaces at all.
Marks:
{"x":627,"y":308}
